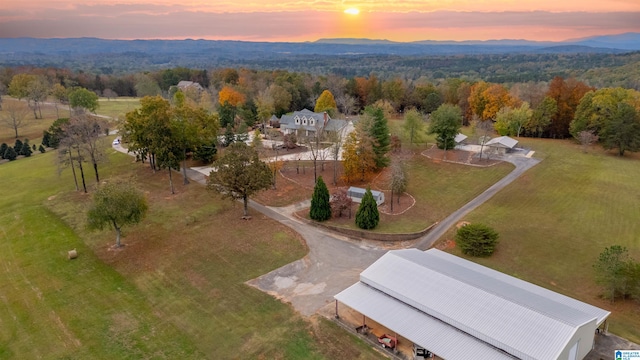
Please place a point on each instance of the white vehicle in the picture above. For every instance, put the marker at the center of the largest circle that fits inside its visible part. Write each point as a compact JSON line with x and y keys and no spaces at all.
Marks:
{"x":116,"y":141}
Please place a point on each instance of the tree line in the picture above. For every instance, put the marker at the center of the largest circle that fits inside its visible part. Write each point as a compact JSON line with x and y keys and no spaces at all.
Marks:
{"x":244,"y":98}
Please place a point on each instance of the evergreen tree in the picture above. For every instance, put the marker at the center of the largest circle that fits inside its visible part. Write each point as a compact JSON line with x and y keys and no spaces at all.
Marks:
{"x":367,"y":216}
{"x":26,"y":149}
{"x":206,"y":152}
{"x":379,"y":132}
{"x":46,"y":138}
{"x":10,"y":154}
{"x":41,"y":149}
{"x":17,"y":147}
{"x":3,"y":149}
{"x":320,"y":206}
{"x":229,"y":137}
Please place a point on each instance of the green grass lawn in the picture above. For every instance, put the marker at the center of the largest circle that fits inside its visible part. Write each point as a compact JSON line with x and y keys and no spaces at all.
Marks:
{"x":55,"y":308}
{"x":176,"y":290}
{"x":556,"y":219}
{"x":439,"y":189}
{"x":118,"y":107}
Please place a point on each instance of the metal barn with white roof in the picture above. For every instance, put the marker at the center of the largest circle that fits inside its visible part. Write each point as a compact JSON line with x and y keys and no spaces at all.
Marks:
{"x":458,"y":309}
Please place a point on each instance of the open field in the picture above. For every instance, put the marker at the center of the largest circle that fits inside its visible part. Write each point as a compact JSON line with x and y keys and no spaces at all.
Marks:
{"x":118,"y":107}
{"x":174,"y":291}
{"x":556,"y":219}
{"x":32,"y":128}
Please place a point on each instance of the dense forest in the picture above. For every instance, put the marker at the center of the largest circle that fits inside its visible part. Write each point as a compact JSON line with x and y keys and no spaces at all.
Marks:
{"x":598,"y":69}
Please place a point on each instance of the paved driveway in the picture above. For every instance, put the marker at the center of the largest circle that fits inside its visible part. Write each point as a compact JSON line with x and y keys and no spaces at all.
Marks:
{"x":332,"y":264}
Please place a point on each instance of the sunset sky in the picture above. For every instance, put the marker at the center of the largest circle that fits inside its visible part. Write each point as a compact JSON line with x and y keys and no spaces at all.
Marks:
{"x":300,"y":20}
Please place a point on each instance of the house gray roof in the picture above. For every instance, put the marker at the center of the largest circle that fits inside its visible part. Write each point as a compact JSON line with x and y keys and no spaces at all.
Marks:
{"x":187,"y":84}
{"x":503,"y":142}
{"x":305,"y":117}
{"x":497,"y":310}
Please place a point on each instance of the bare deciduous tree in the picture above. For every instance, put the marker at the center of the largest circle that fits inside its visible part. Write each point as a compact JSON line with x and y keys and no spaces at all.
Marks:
{"x":14,"y":115}
{"x":84,"y":132}
{"x":346,"y":103}
{"x":399,"y":180}
{"x":586,"y":138}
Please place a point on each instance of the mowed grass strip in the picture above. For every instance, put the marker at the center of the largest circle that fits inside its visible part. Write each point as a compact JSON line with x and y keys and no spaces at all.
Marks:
{"x":189,"y":261}
{"x":559,"y":216}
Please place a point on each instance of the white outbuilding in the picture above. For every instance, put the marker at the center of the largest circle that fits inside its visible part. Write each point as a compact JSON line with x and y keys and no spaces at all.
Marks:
{"x":356,"y":194}
{"x":458,"y":309}
{"x":501,"y":145}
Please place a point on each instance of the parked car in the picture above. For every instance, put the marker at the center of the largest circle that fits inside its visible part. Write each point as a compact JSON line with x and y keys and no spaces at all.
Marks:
{"x":116,"y":141}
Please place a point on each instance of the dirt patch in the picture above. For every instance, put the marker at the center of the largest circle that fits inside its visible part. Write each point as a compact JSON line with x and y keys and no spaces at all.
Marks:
{"x":446,"y":244}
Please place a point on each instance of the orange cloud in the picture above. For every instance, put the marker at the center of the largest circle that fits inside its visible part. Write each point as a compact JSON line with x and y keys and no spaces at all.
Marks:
{"x":271,"y":20}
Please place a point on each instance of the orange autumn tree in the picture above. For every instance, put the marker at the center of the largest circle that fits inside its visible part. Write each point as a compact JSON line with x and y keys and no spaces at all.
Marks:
{"x":567,"y":95}
{"x":230,"y":96}
{"x":497,"y":97}
{"x":487,"y":99}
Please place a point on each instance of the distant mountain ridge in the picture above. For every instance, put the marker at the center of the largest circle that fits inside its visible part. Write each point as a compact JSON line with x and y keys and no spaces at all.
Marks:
{"x":346,"y":46}
{"x":626,"y":41}
{"x":346,"y":57}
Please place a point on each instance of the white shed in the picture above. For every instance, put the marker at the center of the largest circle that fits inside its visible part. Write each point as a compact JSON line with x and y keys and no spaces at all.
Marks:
{"x":356,"y":194}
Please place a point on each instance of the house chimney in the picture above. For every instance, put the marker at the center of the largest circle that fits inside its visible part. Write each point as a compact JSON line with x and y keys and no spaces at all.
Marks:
{"x":326,"y":118}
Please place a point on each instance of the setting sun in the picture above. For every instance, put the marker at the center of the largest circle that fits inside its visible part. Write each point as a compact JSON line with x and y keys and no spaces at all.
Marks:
{"x":352,"y":11}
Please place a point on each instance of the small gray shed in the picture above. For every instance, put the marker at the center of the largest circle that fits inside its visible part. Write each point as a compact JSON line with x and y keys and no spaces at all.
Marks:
{"x":356,"y":194}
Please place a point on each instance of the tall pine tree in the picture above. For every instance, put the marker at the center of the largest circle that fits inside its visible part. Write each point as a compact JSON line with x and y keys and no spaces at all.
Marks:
{"x":367,"y":216}
{"x":320,"y":206}
{"x":379,"y":132}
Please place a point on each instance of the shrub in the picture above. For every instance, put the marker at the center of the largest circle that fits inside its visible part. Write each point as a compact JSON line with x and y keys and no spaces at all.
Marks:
{"x":367,"y":216}
{"x":477,"y":240}
{"x":290,"y":141}
{"x":340,"y":201}
{"x":3,"y":149}
{"x":320,"y":207}
{"x":41,"y":149}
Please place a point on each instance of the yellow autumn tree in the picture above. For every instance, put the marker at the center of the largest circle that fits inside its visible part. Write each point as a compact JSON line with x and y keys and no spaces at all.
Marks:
{"x":326,"y":102}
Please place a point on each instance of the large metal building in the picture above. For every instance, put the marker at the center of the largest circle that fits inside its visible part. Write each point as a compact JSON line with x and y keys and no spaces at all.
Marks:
{"x":458,"y":309}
